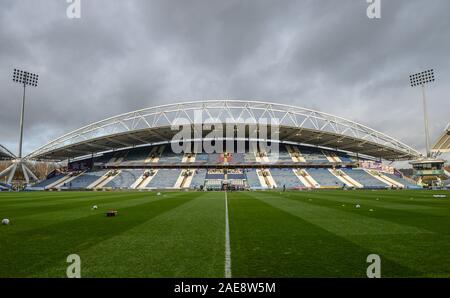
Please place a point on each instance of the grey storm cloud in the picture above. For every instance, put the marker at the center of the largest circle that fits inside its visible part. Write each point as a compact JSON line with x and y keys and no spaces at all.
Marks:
{"x":126,"y":55}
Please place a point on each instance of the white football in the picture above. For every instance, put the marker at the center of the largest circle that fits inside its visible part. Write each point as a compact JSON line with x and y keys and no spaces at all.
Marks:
{"x":5,"y":221}
{"x":94,"y":207}
{"x":358,"y":206}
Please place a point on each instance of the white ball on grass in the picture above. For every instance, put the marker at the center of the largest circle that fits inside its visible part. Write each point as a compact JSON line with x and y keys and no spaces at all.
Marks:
{"x":95,"y":207}
{"x":358,"y":206}
{"x":5,"y":222}
{"x":158,"y":194}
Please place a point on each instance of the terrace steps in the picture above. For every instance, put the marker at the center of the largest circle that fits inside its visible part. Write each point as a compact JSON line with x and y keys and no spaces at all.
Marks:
{"x":58,"y":182}
{"x":105,"y":179}
{"x":346,"y":179}
{"x":155,"y":154}
{"x":385,"y":179}
{"x":151,"y":154}
{"x":266,"y":179}
{"x":64,"y":180}
{"x":143,"y":180}
{"x":261,"y":157}
{"x":188,"y":157}
{"x":331,"y":157}
{"x":295,"y":154}
{"x":185,"y":179}
{"x":117,"y":158}
{"x":306,"y":179}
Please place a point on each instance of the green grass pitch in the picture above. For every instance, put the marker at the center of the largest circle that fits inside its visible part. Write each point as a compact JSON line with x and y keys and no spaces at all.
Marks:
{"x":182,"y":234}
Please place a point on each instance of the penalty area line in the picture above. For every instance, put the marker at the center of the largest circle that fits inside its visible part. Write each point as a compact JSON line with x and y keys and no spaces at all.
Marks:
{"x":227,"y":241}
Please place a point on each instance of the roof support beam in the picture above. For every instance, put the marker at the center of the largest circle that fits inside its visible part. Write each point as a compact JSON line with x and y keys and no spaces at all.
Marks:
{"x":372,"y":150}
{"x":338,"y":140}
{"x":118,"y":142}
{"x":98,"y":146}
{"x":317,"y":137}
{"x":154,"y":132}
{"x":137,"y":139}
{"x":354,"y":144}
{"x":72,"y":150}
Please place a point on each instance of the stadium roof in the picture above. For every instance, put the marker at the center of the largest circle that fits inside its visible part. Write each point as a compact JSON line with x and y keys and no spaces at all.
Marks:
{"x":443,"y":143}
{"x":6,"y":154}
{"x":154,"y":125}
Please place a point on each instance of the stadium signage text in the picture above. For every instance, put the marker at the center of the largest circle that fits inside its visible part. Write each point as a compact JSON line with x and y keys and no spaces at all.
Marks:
{"x":228,"y":287}
{"x":202,"y":135}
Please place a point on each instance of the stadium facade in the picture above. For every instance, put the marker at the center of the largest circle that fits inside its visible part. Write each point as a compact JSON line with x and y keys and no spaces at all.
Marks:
{"x":256,"y":145}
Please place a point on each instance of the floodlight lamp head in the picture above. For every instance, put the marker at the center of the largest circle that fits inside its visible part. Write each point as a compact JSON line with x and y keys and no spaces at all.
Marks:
{"x":422,"y":78}
{"x":26,"y":78}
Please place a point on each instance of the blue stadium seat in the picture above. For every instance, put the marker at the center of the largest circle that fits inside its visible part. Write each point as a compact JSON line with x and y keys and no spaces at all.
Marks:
{"x":285,"y":177}
{"x":252,"y":179}
{"x":199,"y":178}
{"x":405,"y":182}
{"x":168,"y":157}
{"x":324,"y":177}
{"x":125,"y":179}
{"x":138,"y":154}
{"x":364,"y":178}
{"x":313,"y":155}
{"x":85,"y":179}
{"x":49,"y":181}
{"x":165,"y":178}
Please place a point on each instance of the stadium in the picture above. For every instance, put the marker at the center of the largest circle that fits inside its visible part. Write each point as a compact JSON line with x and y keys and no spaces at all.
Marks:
{"x":253,"y":189}
{"x":314,"y":150}
{"x":244,"y":146}
{"x":224,"y":188}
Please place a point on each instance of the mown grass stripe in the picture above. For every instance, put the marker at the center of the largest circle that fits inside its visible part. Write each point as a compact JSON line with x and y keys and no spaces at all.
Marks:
{"x":267,"y":241}
{"x":409,"y":250}
{"x":186,"y":241}
{"x":30,"y":252}
{"x":333,"y":220}
{"x":436,"y":221}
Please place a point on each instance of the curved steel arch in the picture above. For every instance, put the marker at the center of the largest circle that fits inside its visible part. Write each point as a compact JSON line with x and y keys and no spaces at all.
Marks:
{"x":234,"y":110}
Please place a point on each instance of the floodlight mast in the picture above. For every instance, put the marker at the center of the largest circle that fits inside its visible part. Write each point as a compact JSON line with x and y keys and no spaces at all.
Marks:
{"x":22,"y":115}
{"x":420,"y":79}
{"x":25,"y":78}
{"x":425,"y":117}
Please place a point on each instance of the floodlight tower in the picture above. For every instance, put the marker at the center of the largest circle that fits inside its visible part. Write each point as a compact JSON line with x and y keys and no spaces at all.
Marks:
{"x":27,"y":79}
{"x":428,"y":171}
{"x":24,"y":78}
{"x":421,"y":79}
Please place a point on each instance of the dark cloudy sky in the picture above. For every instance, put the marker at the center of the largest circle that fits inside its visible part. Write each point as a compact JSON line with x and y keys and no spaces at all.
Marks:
{"x":126,"y":55}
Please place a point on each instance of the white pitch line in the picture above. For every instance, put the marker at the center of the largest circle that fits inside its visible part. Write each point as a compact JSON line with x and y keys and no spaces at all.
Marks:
{"x":227,"y":241}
